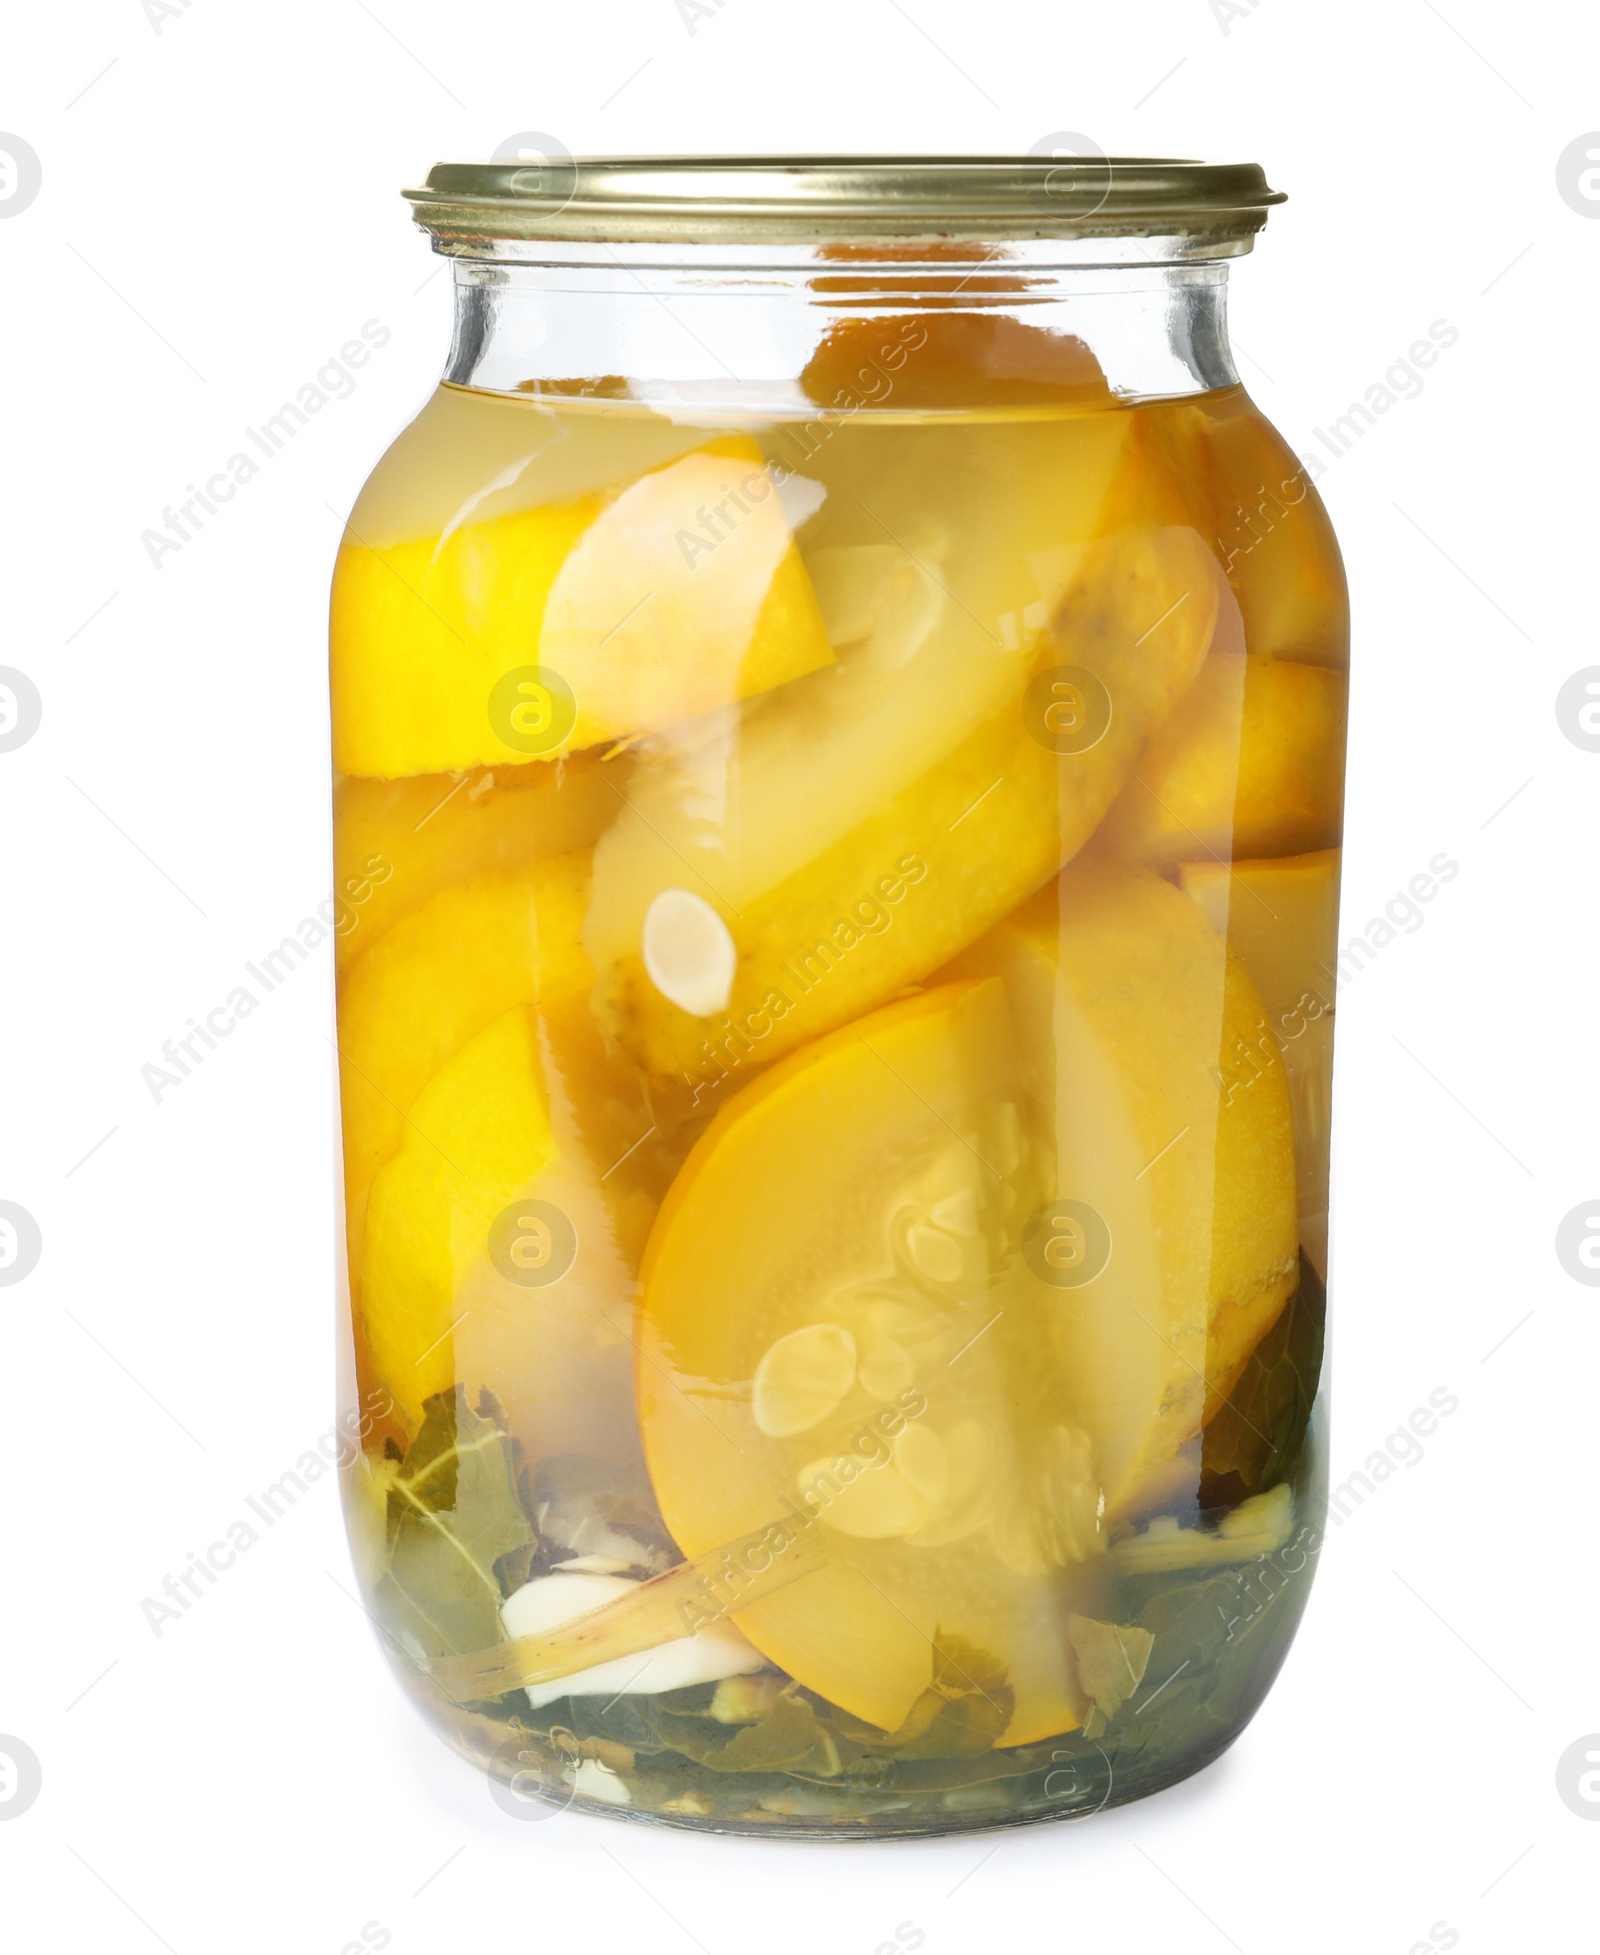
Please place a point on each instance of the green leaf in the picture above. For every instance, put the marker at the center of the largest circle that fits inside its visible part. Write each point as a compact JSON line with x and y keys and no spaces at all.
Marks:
{"x":959,"y":1716}
{"x":963,"y":1711}
{"x":790,"y":1738}
{"x":1217,"y":1644}
{"x":1111,"y":1664}
{"x":1253,"y":1440}
{"x":458,"y":1534}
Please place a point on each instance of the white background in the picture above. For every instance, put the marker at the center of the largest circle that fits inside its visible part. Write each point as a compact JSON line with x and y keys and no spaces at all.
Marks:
{"x":218,"y":214}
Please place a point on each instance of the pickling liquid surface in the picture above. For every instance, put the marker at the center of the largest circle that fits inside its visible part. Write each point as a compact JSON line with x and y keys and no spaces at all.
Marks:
{"x":836,"y":969}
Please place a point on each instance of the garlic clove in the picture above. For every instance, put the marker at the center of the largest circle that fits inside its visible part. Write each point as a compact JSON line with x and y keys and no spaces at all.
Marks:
{"x":688,"y":952}
{"x":713,"y":1652}
{"x":592,"y":1780}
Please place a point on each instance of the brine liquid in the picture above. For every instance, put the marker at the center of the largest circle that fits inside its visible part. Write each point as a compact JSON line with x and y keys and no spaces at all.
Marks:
{"x":836,"y":976}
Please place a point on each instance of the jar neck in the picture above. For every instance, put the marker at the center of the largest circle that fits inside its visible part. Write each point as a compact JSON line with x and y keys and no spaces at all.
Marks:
{"x":761,"y":338}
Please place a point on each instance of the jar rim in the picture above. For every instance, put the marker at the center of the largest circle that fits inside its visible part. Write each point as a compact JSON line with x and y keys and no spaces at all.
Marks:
{"x":1201,"y":209}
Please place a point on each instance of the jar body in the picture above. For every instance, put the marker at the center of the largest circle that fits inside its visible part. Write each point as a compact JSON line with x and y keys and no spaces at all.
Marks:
{"x":839,"y":876}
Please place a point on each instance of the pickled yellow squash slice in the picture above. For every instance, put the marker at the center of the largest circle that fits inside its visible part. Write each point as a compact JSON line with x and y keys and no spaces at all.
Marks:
{"x":491,"y":1256}
{"x":545,"y":629}
{"x":396,"y":843}
{"x":1252,"y":766}
{"x":1158,"y":1098}
{"x":443,"y":973}
{"x":1283,"y":559}
{"x":779,"y":871}
{"x":1281,"y":919}
{"x":833,"y":1339}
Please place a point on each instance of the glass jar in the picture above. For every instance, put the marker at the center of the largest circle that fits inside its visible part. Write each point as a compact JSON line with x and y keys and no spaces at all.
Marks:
{"x":838,"y":720}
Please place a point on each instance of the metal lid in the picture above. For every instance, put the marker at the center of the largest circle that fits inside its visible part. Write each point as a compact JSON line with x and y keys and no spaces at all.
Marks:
{"x":471,"y":208}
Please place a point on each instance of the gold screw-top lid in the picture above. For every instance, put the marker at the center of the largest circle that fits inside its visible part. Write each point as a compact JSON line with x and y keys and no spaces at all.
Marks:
{"x":1205,"y":209}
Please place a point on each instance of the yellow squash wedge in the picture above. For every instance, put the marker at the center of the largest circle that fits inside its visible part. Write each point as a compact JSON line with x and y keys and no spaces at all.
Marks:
{"x":547,"y":629}
{"x":396,"y":843}
{"x":1281,"y":918}
{"x":850,"y":833}
{"x":491,"y":1259}
{"x":441,"y":975}
{"x":1158,"y":1097}
{"x":1250,"y":763}
{"x":834,"y":1340}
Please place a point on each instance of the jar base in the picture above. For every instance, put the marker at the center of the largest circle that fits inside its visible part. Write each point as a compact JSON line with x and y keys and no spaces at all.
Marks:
{"x":944,"y":1826}
{"x":1087,"y":1785}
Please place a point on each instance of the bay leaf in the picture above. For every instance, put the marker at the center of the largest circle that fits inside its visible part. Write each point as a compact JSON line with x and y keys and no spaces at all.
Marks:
{"x":1253,"y":1440}
{"x":457,"y":1530}
{"x":967,"y":1705}
{"x":791,"y":1737}
{"x":1112,"y":1658}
